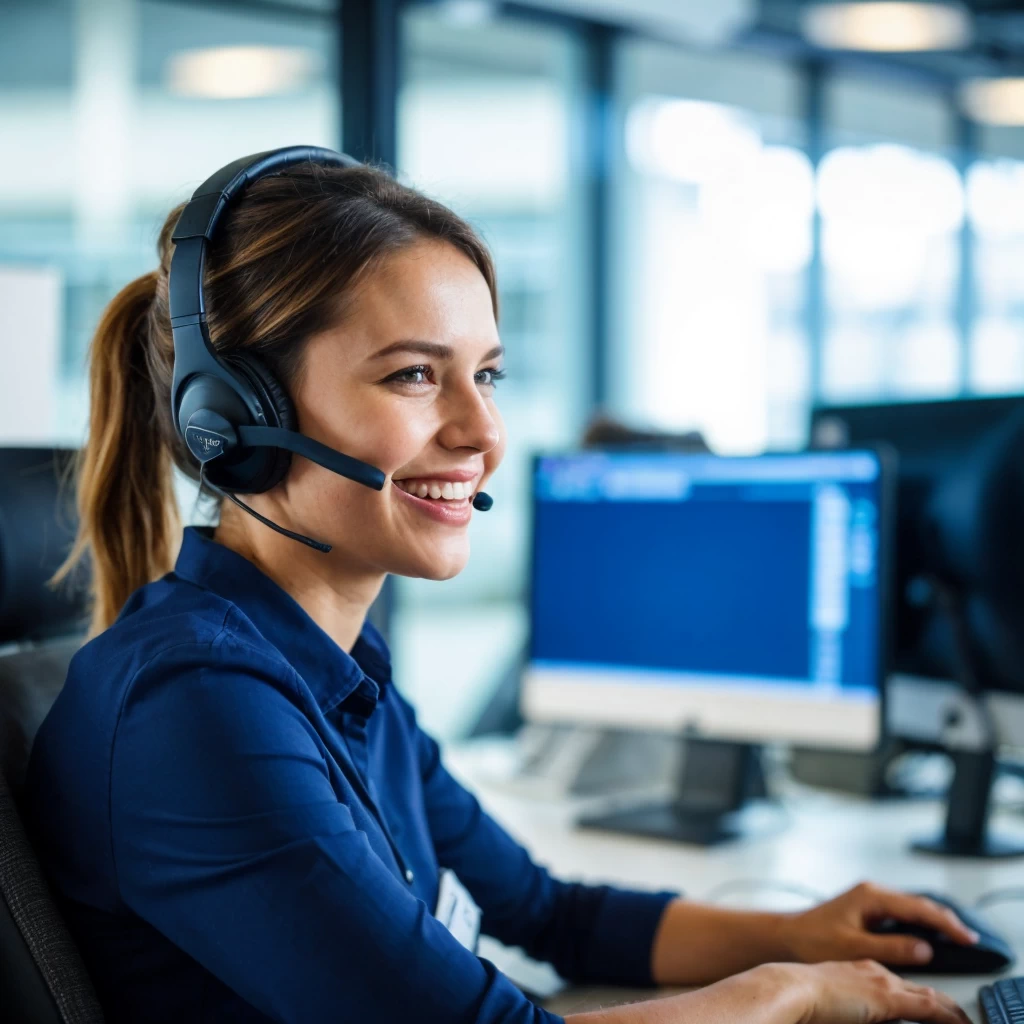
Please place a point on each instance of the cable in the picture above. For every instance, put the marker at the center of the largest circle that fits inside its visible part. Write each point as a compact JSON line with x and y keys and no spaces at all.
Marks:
{"x":308,"y":541}
{"x":994,"y":896}
{"x":754,"y":884}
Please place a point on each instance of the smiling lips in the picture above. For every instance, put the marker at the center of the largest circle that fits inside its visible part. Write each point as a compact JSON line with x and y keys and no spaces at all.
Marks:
{"x":445,"y":499}
{"x":444,"y":490}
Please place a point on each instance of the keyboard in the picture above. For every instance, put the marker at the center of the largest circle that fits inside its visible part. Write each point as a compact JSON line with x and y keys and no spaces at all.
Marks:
{"x":1003,"y":1001}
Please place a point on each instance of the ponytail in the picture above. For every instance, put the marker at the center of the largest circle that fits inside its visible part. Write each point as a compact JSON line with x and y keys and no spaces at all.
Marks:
{"x":128,"y":520}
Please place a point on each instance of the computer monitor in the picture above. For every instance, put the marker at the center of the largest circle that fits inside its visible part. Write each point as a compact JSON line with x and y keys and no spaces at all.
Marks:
{"x":927,"y":435}
{"x":736,"y":598}
{"x":957,"y":679}
{"x":934,"y":442}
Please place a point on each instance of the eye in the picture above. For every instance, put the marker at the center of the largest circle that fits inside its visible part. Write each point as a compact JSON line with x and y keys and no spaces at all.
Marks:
{"x":410,"y":375}
{"x":490,"y":376}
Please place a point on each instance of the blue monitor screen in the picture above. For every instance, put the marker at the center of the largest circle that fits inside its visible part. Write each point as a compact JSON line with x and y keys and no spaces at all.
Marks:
{"x":760,"y":571}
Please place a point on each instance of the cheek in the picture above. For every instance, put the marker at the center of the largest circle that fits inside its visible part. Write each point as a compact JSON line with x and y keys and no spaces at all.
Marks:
{"x":386,"y":434}
{"x":397,"y":436}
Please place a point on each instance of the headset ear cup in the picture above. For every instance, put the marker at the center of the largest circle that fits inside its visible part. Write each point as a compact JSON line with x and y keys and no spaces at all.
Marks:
{"x":273,"y":396}
{"x":259,"y":469}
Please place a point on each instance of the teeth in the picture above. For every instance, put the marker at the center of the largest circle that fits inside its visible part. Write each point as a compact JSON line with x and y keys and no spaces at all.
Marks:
{"x":445,"y":490}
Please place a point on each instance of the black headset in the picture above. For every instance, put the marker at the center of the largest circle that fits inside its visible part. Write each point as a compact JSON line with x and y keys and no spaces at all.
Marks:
{"x":233,"y":414}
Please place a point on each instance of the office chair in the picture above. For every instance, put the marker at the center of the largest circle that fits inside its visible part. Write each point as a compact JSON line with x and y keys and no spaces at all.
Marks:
{"x":42,"y":977}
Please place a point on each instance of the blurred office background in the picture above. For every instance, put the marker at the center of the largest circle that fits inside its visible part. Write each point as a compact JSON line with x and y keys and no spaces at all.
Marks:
{"x":706,"y":214}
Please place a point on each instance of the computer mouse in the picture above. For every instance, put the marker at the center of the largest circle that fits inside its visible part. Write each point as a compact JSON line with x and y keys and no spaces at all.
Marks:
{"x":989,"y":955}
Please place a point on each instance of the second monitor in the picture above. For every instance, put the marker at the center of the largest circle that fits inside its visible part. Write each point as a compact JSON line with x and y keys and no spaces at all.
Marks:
{"x":739,"y":599}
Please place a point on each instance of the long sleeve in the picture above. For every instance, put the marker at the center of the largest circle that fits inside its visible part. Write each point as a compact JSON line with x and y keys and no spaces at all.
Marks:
{"x":230,"y":840}
{"x":588,"y":933}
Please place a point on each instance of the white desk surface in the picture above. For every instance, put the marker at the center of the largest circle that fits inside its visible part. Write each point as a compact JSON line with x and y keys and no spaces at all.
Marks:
{"x":830,"y":843}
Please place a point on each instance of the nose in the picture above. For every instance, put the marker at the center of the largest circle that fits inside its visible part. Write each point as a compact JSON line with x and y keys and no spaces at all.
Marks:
{"x":469,"y":422}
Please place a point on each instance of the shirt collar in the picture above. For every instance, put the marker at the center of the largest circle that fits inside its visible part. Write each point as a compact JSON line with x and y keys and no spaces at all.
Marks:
{"x":334,"y":676}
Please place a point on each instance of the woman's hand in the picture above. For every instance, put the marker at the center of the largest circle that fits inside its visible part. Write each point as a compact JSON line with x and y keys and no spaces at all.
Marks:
{"x":863,"y":992}
{"x":834,"y":993}
{"x":696,"y":944}
{"x":838,"y":930}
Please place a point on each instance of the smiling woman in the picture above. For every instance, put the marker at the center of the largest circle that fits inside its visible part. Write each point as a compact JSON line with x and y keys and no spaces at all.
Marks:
{"x":261,"y":828}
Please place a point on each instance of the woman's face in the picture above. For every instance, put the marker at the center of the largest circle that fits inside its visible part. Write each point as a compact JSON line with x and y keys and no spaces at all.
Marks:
{"x":405,"y":382}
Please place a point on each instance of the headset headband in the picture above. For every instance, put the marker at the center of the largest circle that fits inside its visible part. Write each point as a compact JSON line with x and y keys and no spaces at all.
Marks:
{"x":193,"y":352}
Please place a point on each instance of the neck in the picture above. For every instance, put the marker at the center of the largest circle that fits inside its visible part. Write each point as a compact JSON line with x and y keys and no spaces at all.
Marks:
{"x":334,"y":596}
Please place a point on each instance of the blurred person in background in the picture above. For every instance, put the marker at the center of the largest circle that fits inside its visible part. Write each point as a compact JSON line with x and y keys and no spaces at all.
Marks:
{"x":604,"y":431}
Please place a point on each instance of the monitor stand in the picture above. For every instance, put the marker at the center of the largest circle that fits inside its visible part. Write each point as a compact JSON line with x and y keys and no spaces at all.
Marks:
{"x":716,"y":781}
{"x":970,"y":801}
{"x":975,"y":766}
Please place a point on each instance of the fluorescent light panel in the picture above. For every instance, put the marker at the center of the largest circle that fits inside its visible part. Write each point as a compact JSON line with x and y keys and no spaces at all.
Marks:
{"x":887,"y":27}
{"x":995,"y":101}
{"x":240,"y":72}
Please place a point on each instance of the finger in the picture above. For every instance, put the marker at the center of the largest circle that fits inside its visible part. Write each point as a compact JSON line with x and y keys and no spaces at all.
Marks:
{"x":921,"y":910}
{"x":951,"y":1004}
{"x":948,"y":1007}
{"x":925,"y":990}
{"x":928,"y":1007}
{"x":897,"y":950}
{"x":929,"y":994}
{"x":959,"y":1013}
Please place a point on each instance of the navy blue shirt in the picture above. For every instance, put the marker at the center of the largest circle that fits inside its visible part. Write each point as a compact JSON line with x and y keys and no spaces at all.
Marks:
{"x":243,"y":822}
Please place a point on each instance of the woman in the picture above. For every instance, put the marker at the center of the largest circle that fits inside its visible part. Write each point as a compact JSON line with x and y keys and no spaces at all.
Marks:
{"x":235,"y":805}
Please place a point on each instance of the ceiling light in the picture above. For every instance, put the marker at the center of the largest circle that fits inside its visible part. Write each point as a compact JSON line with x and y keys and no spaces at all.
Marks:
{"x":998,"y":101}
{"x":889,"y":27}
{"x":236,"y":72}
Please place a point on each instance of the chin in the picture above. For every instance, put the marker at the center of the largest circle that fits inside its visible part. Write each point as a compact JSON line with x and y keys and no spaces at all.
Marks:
{"x":447,"y":572}
{"x":440,"y":568}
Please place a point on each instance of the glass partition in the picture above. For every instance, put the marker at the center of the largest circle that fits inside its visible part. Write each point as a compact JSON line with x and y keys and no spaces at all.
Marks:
{"x":112,"y":111}
{"x":995,"y":207}
{"x":892,"y":208}
{"x":714,"y":217}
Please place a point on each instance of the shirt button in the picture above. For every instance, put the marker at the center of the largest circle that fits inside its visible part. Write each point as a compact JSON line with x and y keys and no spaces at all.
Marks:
{"x":409,"y":876}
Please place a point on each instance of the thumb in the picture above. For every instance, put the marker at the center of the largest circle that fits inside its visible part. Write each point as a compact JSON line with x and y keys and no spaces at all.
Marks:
{"x":896,"y":950}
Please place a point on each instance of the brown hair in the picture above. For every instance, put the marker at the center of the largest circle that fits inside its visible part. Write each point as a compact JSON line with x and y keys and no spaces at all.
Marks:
{"x":280,"y":270}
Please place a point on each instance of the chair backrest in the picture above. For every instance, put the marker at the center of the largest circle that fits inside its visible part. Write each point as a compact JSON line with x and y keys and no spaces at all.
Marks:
{"x":30,"y":679}
{"x":37,"y":528}
{"x":42,"y":977}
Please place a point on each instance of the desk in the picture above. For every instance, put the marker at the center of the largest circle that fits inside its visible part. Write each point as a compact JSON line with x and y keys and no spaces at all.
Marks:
{"x":830,"y":843}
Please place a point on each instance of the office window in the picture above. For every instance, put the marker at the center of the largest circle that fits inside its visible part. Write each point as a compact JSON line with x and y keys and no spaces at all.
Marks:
{"x":112,"y":111}
{"x":714,"y":218}
{"x":485,"y":124}
{"x":995,"y":205}
{"x":892,"y":207}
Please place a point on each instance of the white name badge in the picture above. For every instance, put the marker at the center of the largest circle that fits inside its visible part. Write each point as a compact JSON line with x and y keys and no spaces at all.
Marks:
{"x":457,"y":911}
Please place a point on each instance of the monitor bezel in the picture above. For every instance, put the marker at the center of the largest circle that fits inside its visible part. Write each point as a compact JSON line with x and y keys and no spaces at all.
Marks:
{"x":885,"y":458}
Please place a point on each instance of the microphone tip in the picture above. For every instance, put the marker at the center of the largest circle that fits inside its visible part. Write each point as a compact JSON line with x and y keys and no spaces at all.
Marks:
{"x":483,"y":501}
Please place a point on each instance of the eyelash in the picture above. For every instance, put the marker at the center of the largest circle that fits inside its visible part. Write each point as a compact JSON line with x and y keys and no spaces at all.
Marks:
{"x":395,"y":378}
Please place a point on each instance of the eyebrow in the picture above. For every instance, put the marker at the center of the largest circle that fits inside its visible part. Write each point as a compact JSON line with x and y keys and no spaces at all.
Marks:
{"x":431,"y":348}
